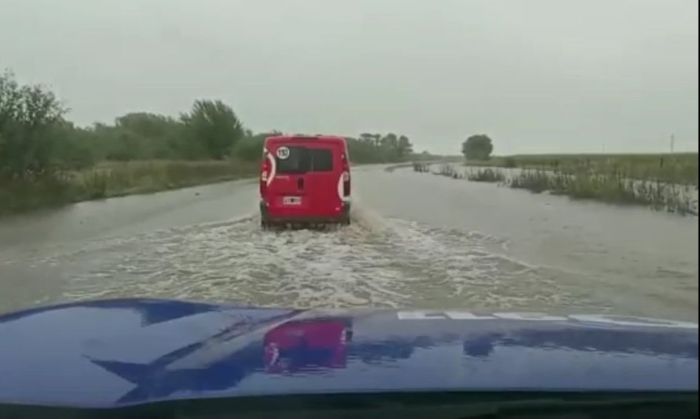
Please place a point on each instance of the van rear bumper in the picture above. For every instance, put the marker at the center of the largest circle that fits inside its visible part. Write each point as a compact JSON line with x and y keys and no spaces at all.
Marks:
{"x":269,"y":217}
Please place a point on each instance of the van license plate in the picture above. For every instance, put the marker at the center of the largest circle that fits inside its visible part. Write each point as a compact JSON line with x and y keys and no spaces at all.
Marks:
{"x":291,"y":200}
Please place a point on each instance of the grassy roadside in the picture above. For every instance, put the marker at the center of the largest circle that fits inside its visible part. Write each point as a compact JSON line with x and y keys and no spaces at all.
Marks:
{"x":413,"y":164}
{"x":677,"y":168}
{"x":615,"y":189}
{"x":110,"y":179}
{"x":662,"y":181}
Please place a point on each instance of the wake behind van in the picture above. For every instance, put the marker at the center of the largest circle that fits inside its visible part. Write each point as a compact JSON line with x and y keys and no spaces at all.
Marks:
{"x":305,"y":180}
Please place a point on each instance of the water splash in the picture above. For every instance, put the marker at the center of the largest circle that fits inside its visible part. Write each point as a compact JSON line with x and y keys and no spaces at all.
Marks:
{"x":377,"y":262}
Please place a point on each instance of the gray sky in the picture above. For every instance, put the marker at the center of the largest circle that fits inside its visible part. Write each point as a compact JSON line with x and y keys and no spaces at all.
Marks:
{"x":536,"y":75}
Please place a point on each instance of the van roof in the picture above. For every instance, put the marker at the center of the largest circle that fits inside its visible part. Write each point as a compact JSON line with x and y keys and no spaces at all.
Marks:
{"x":293,"y":138}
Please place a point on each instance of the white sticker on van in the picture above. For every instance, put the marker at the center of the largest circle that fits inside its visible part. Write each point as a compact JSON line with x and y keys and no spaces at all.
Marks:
{"x":283,"y":153}
{"x":341,"y":195}
{"x":273,"y":168}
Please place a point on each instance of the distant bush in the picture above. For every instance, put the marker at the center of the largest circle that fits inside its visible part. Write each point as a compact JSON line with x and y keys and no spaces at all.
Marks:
{"x":29,"y":119}
{"x":536,"y":181}
{"x":115,"y":179}
{"x":421,"y":167}
{"x":43,"y":191}
{"x":679,"y":168}
{"x":477,"y":147}
{"x":615,"y":189}
{"x":111,"y":179}
{"x":487,"y":175}
{"x":449,"y":170}
{"x":250,"y":148}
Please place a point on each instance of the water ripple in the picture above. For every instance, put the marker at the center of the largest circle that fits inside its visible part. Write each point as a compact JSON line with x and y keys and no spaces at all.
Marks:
{"x":375,"y":262}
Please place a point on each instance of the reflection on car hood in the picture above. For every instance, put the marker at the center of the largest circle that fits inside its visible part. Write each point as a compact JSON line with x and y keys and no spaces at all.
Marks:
{"x":129,"y":351}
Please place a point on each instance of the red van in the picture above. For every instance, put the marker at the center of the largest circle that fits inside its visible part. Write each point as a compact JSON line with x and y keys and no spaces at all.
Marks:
{"x":305,"y":180}
{"x":303,"y":344}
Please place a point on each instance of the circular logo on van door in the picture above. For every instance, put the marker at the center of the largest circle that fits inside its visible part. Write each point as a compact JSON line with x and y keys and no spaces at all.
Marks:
{"x":282,"y":153}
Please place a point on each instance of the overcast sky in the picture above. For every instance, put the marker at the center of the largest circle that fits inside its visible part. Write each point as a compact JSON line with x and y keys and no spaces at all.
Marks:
{"x":536,"y":75}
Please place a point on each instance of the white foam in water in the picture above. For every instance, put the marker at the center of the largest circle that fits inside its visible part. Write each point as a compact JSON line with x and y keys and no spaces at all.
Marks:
{"x":376,"y":261}
{"x":367,"y":219}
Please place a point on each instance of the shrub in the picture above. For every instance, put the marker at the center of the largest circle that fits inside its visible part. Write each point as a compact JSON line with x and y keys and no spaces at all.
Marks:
{"x":487,"y":175}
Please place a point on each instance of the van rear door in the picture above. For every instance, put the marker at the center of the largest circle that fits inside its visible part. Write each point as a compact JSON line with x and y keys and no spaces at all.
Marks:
{"x":289,"y":184}
{"x":305,"y":178}
{"x":323,"y":178}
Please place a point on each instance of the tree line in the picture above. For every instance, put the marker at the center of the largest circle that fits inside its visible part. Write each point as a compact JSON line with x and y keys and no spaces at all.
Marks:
{"x":37,"y":138}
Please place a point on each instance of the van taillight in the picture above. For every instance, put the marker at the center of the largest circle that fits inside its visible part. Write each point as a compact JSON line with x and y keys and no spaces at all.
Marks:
{"x":346,"y":176}
{"x":265,"y":173}
{"x":346,"y":184}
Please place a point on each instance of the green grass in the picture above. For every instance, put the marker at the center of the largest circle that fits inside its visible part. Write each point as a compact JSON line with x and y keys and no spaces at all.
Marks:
{"x":678,"y":168}
{"x":608,"y":188}
{"x":110,"y":179}
{"x":535,"y":181}
{"x":487,"y":175}
{"x":448,"y":170}
{"x":661,"y":181}
{"x":114,"y":179}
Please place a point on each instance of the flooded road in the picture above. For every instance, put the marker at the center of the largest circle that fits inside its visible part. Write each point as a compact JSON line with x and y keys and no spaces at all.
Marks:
{"x":416,"y":240}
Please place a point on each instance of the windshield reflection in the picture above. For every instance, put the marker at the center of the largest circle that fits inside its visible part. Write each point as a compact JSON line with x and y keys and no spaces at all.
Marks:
{"x":322,"y":345}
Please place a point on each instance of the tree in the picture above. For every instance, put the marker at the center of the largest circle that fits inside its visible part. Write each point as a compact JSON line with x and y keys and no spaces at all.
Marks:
{"x":76,"y":148}
{"x":250,"y":147}
{"x":366,"y":137}
{"x":477,"y":147}
{"x":377,"y":148}
{"x":147,"y":125}
{"x":215,"y":125}
{"x":390,"y":141}
{"x":28,"y":115}
{"x":405,"y":147}
{"x":154,"y":137}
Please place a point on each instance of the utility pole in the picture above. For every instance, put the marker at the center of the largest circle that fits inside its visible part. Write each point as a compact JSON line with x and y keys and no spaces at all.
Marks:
{"x":673,"y":140}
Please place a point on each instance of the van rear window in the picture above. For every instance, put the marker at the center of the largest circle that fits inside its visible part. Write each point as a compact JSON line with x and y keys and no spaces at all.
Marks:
{"x":302,"y":160}
{"x":296,"y":160}
{"x":321,"y":160}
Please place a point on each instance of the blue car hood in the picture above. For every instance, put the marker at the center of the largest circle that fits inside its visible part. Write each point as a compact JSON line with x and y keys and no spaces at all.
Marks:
{"x":113,"y":353}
